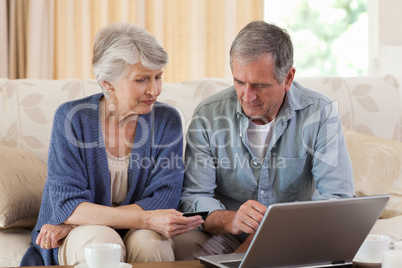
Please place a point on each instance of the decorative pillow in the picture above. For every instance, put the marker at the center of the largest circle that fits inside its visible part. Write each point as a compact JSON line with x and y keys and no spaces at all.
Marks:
{"x":377,"y":167}
{"x":22,"y":177}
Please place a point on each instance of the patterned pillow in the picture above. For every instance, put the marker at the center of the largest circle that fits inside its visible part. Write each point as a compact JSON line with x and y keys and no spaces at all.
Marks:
{"x":377,"y":167}
{"x":22,"y":177}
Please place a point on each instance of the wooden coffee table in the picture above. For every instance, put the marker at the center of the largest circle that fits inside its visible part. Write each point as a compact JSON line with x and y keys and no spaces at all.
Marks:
{"x":173,"y":264}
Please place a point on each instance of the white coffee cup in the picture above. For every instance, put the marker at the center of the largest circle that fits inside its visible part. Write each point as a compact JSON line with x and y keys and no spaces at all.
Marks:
{"x":392,"y":259}
{"x":105,"y":255}
{"x":372,"y":248}
{"x":398,"y":245}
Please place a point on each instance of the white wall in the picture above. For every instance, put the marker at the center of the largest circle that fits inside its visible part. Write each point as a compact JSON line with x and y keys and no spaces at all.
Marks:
{"x":385,"y":36}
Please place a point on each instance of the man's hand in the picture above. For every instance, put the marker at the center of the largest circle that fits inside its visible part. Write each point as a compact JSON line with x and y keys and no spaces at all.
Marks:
{"x":245,"y":220}
{"x":248,"y":218}
{"x":50,"y":236}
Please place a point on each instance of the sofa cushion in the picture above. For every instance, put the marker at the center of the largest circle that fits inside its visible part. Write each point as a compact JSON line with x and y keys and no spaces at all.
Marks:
{"x":22,"y":177}
{"x":27,"y":108}
{"x":14,"y":244}
{"x":377,"y":166}
{"x":185,"y":96}
{"x":390,"y":227}
{"x":371,"y":104}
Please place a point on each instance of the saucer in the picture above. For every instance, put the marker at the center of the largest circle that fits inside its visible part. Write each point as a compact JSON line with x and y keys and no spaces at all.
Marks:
{"x":358,"y":261}
{"x":121,"y":265}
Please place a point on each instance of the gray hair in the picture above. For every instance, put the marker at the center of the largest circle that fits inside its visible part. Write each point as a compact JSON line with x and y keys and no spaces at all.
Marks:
{"x":258,"y":38}
{"x":118,"y":46}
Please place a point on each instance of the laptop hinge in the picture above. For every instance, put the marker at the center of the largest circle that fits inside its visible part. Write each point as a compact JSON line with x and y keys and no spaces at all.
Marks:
{"x":342,"y":264}
{"x":338,"y":262}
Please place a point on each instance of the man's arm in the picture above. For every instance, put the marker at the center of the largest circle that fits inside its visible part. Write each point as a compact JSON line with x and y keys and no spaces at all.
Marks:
{"x":200,"y":172}
{"x":245,"y":220}
{"x":332,"y":167}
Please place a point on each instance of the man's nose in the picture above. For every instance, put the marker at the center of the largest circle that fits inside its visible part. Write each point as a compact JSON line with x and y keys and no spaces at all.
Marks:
{"x":249,"y":93}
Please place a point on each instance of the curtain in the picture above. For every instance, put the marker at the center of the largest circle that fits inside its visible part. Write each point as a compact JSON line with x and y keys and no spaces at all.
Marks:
{"x":40,"y":45}
{"x":52,"y":39}
{"x":26,"y":39}
{"x":13,"y":38}
{"x":4,"y":40}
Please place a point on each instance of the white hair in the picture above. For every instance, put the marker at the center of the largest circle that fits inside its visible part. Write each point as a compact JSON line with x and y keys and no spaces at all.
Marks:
{"x":118,"y":46}
{"x":258,"y":38}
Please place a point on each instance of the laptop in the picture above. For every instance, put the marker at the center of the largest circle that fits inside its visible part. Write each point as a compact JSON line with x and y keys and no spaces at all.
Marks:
{"x":325,"y":233}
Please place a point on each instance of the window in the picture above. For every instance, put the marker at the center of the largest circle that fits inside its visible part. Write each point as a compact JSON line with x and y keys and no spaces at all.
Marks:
{"x":330,"y":37}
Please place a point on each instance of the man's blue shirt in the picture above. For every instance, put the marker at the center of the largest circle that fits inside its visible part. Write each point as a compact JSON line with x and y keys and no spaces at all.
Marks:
{"x":307,"y":158}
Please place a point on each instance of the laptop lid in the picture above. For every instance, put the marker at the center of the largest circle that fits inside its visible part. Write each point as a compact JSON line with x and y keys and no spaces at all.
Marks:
{"x":323,"y":233}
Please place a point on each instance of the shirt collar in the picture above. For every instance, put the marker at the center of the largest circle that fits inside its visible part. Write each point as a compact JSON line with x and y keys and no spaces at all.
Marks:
{"x":295,"y":99}
{"x":239,"y":110}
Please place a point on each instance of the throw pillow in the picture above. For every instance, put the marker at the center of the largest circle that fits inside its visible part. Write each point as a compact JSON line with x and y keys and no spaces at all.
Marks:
{"x":22,"y":177}
{"x":377,"y":167}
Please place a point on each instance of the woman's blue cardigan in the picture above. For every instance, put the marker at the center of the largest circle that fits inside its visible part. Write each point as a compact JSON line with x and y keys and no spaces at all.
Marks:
{"x":78,"y":169}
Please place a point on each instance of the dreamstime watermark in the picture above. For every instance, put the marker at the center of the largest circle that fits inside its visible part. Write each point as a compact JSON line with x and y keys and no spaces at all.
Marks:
{"x":330,"y":151}
{"x":239,"y":161}
{"x":203,"y":133}
{"x":174,"y":161}
{"x":319,"y":134}
{"x":171,"y":161}
{"x":147,"y":127}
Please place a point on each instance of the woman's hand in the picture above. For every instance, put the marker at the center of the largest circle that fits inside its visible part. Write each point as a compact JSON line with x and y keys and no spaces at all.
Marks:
{"x":50,"y":236}
{"x":170,"y":222}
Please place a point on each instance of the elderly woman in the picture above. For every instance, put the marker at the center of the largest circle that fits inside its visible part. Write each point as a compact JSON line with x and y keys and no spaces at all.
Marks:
{"x":115,"y":167}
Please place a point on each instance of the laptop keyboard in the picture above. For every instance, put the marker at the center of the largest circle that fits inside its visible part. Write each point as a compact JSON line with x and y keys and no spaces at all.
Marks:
{"x":232,"y":264}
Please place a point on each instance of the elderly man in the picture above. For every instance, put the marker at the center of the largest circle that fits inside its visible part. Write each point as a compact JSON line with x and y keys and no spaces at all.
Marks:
{"x":267,"y":139}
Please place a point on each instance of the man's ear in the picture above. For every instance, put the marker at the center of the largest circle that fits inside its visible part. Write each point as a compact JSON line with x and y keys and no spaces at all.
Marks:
{"x":289,"y":78}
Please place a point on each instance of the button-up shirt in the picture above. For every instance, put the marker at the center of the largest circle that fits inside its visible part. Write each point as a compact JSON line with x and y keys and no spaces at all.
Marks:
{"x":307,"y":158}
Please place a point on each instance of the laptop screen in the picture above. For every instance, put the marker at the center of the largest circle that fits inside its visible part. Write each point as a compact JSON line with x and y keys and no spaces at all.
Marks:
{"x":323,"y":233}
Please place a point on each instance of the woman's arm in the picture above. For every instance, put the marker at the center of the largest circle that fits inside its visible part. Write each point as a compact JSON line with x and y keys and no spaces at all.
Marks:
{"x":168,"y":222}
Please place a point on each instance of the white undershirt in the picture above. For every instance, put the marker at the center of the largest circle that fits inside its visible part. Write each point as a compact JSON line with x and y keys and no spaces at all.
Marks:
{"x":118,"y":168}
{"x":258,"y":138}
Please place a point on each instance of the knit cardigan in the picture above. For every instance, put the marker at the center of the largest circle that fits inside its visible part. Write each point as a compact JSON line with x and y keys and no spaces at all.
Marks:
{"x":78,"y":169}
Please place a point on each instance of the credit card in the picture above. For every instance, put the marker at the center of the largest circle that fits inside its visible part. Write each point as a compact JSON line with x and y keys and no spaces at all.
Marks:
{"x":203,"y":214}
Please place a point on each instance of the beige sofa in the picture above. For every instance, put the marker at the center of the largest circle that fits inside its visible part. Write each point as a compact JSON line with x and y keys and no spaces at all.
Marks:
{"x":370,"y":108}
